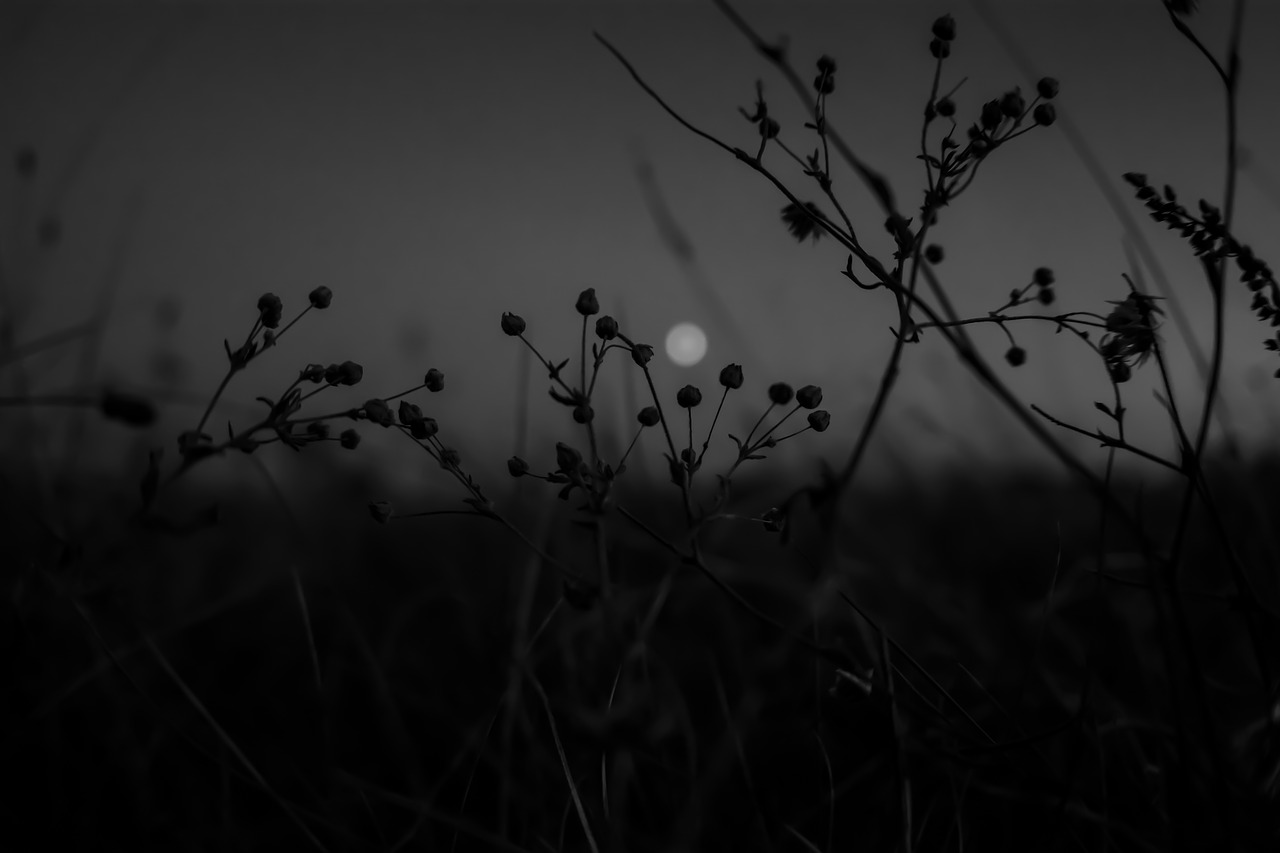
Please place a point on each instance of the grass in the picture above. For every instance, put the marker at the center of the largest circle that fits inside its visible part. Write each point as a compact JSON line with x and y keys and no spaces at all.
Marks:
{"x":704,"y":661}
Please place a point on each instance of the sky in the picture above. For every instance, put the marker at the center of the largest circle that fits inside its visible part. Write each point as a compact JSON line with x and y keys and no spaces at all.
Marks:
{"x":438,"y":164}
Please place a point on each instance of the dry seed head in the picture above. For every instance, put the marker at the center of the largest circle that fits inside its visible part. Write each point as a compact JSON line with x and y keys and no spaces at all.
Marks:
{"x":809,"y":397}
{"x":409,"y":412}
{"x":1012,"y":104}
{"x":688,"y":397}
{"x":270,"y":310}
{"x":568,"y":460}
{"x":587,"y":304}
{"x":512,"y":324}
{"x":606,"y":328}
{"x":379,"y":412}
{"x":321,"y":297}
{"x":944,"y":28}
{"x":992,"y":114}
{"x":731,"y":376}
{"x":350,"y":373}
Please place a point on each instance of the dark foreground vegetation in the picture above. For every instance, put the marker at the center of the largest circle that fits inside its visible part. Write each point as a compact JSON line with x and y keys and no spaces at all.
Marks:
{"x":298,"y":676}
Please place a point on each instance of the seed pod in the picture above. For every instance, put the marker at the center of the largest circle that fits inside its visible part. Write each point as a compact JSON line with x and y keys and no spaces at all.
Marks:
{"x":780,"y":393}
{"x":688,"y":397}
{"x":512,"y":324}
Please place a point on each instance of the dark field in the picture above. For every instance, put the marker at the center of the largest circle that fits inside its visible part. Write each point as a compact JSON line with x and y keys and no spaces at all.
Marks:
{"x":298,"y":676}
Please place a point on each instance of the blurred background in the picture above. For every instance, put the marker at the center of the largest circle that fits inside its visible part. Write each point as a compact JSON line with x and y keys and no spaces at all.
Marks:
{"x":436,"y":164}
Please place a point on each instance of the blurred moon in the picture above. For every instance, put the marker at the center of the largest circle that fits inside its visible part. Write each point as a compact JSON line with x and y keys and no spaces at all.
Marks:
{"x":686,"y":344}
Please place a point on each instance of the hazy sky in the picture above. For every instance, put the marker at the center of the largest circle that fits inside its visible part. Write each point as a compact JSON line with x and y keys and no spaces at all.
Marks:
{"x":437,"y":164}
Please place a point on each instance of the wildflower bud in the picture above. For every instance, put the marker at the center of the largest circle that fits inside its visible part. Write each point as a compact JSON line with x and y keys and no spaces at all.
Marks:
{"x":450,"y":458}
{"x":350,"y":373}
{"x":1012,"y":104}
{"x":688,"y":397}
{"x":321,"y":297}
{"x":945,"y":28}
{"x":349,"y":439}
{"x":933,"y":253}
{"x":333,"y":374}
{"x":820,"y":420}
{"x":434,"y":380}
{"x":379,"y":412}
{"x":568,"y":460}
{"x":583,"y":414}
{"x":1136,"y":179}
{"x":128,"y":409}
{"x":409,"y":413}
{"x":731,"y":376}
{"x":992,"y":115}
{"x":1043,"y":277}
{"x":940,"y":49}
{"x":1045,"y":115}
{"x":1120,"y":371}
{"x":780,"y":393}
{"x":587,"y":302}
{"x":648,"y":416}
{"x":318,"y":430}
{"x":381,"y":511}
{"x":424,"y":428}
{"x":313,"y":373}
{"x":769,"y":128}
{"x":268,"y":339}
{"x":512,"y":324}
{"x":980,"y":147}
{"x":641,"y":354}
{"x":945,"y":107}
{"x":270,"y":310}
{"x":606,"y":328}
{"x":826,"y":64}
{"x":1047,"y":88}
{"x":1046,"y":296}
{"x":1016,"y":356}
{"x":824,"y":84}
{"x":517,"y":467}
{"x":25,"y":161}
{"x":809,"y":397}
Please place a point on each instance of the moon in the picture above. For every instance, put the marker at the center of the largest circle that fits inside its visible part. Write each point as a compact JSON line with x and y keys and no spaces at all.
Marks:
{"x":686,"y":344}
